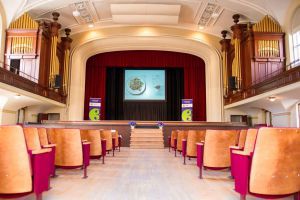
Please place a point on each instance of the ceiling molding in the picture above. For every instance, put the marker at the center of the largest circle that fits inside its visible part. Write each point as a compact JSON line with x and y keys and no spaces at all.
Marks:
{"x":210,"y":14}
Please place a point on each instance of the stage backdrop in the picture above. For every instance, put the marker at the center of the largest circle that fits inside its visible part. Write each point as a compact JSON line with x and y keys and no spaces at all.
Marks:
{"x":102,"y":67}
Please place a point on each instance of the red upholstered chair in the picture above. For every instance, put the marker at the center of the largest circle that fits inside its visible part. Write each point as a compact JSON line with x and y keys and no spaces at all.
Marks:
{"x":98,"y":146}
{"x":71,"y":152}
{"x":33,"y":143}
{"x":247,"y":149}
{"x":20,"y":175}
{"x":214,"y":152}
{"x":189,"y":146}
{"x":44,"y":142}
{"x":273,"y":169}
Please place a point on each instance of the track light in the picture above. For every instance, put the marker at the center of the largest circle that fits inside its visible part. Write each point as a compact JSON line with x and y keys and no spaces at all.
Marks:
{"x":272,"y":99}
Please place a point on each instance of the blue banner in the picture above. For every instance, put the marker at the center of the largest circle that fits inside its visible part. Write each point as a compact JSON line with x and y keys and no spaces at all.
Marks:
{"x":95,"y":109}
{"x":187,"y":110}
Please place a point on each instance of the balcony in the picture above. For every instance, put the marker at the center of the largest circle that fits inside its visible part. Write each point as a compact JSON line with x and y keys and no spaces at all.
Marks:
{"x":21,"y":80}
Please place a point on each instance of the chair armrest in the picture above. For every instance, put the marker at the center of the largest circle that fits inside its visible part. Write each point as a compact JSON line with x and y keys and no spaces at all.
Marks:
{"x":49,"y":145}
{"x":86,"y":153}
{"x":200,"y":151}
{"x":184,"y":147}
{"x":41,"y":151}
{"x":103,"y":146}
{"x":242,"y":153}
{"x":242,"y":161}
{"x":40,"y":161}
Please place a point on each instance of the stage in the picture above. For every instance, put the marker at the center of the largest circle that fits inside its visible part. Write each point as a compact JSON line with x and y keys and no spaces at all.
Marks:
{"x":123,"y":127}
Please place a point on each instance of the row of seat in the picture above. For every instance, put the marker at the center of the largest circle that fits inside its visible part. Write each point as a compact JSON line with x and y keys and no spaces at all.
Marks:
{"x":30,"y":155}
{"x":264,"y":162}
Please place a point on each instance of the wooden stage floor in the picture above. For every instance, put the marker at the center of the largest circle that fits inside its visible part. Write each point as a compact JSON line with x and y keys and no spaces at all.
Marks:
{"x":142,"y":174}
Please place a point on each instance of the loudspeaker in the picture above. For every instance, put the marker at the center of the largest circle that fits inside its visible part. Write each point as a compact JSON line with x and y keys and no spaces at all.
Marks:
{"x":57,"y":82}
{"x":232,"y":83}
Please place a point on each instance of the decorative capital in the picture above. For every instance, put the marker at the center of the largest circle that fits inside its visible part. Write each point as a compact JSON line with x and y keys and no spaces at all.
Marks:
{"x":55,"y":16}
{"x":67,"y":31}
{"x":236,"y":18}
{"x":224,"y":34}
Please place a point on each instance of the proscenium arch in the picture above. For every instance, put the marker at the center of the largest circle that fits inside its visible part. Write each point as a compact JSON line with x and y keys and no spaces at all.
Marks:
{"x":81,"y":53}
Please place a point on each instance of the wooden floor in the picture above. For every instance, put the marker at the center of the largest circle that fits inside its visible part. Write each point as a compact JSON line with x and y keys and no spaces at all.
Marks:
{"x":137,"y":174}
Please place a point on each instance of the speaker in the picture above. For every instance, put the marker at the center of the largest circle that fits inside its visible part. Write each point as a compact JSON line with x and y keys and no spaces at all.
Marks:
{"x":57,"y":82}
{"x":232,"y":83}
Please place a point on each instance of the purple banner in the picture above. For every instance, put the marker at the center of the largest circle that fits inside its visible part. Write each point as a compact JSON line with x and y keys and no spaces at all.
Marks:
{"x":95,"y":109}
{"x":187,"y":110}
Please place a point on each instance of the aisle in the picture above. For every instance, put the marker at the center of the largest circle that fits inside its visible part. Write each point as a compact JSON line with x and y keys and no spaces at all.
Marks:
{"x":135,"y":174}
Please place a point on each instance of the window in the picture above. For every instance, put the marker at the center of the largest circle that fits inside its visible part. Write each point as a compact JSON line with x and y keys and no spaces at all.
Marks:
{"x":296,"y":47}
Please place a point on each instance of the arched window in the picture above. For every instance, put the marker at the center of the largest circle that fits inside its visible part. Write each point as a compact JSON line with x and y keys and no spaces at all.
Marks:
{"x":296,"y":38}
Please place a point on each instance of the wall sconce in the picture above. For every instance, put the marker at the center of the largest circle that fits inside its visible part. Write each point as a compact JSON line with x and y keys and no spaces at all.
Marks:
{"x":272,"y":99}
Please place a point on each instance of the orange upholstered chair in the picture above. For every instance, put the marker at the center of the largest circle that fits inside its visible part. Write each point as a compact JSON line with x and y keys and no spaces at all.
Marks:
{"x":273,"y":170}
{"x":43,"y":136}
{"x":173,"y":141}
{"x":189,"y":145}
{"x":242,"y":138}
{"x":181,"y":135}
{"x":107,"y":135}
{"x":247,"y":149}
{"x":215,"y":153}
{"x":33,"y":143}
{"x":71,"y":152}
{"x":16,"y":177}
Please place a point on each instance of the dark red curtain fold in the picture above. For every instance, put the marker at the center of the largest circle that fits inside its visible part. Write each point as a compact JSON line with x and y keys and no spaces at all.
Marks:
{"x":194,"y":74}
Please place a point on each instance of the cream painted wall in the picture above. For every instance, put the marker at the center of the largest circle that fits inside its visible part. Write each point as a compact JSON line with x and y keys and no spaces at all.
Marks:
{"x":145,"y":38}
{"x":257,"y":115}
{"x":8,"y":117}
{"x":281,"y":119}
{"x":32,"y":112}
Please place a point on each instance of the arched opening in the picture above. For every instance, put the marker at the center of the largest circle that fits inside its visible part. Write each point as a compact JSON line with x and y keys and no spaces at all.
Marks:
{"x":82,"y":52}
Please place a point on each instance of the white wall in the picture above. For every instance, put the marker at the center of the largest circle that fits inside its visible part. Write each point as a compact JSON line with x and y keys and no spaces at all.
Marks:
{"x":281,"y":119}
{"x":8,"y":117}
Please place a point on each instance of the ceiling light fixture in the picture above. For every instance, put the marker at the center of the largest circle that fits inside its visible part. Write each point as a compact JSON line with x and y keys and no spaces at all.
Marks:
{"x":17,"y":96}
{"x":201,"y":27}
{"x":76,"y":13}
{"x":272,"y":99}
{"x":214,"y":15}
{"x":91,"y":25}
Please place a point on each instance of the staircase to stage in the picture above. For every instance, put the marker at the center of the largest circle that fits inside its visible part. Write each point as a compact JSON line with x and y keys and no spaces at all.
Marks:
{"x":146,"y":138}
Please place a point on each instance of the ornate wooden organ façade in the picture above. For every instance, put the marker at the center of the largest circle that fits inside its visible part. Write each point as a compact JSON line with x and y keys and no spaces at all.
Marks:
{"x":254,"y":54}
{"x":35,"y":51}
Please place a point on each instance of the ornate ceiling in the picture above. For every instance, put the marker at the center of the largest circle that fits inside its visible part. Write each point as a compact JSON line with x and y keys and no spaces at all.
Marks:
{"x":210,"y":16}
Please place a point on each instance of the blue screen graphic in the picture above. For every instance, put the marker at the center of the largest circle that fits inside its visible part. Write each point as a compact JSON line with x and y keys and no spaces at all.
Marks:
{"x":144,"y":85}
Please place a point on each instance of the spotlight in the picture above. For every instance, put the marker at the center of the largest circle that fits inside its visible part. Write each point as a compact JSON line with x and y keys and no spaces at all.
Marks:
{"x":272,"y":99}
{"x":76,"y":13}
{"x":17,"y":96}
{"x":91,"y":25}
{"x":201,"y":27}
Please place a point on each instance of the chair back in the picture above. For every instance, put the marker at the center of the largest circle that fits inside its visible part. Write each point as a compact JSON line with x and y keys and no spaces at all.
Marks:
{"x":93,"y":136}
{"x":250,"y":140}
{"x":173,"y":137}
{"x":15,"y":169}
{"x":32,"y":138}
{"x":182,"y":134}
{"x":50,"y":134}
{"x":276,"y":162}
{"x":242,"y":138}
{"x":216,"y":151}
{"x":194,"y":136}
{"x":107,"y":134}
{"x":115,"y":134}
{"x":68,"y":147}
{"x":43,"y":136}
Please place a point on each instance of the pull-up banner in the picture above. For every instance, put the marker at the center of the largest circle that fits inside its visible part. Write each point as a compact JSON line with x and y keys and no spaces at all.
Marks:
{"x":94,"y":109}
{"x":187,"y":110}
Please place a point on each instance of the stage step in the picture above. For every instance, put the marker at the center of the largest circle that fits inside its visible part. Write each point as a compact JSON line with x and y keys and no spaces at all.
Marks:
{"x":143,"y":138}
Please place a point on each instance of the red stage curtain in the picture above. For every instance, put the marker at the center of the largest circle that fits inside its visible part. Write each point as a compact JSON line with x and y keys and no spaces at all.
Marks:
{"x":194,"y":74}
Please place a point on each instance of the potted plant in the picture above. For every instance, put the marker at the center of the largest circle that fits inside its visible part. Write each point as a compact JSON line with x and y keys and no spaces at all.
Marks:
{"x":132,"y":124}
{"x":160,"y":125}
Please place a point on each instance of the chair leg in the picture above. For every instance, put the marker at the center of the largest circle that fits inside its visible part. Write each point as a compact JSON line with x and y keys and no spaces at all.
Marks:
{"x":85,"y":172}
{"x":200,"y":172}
{"x":184,"y":160}
{"x":102,"y":159}
{"x":242,"y":197}
{"x":297,"y":196}
{"x":38,"y":196}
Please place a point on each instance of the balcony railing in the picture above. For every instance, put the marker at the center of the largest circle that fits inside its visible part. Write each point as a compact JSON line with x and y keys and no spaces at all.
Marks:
{"x":28,"y":83}
{"x":267,"y":83}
